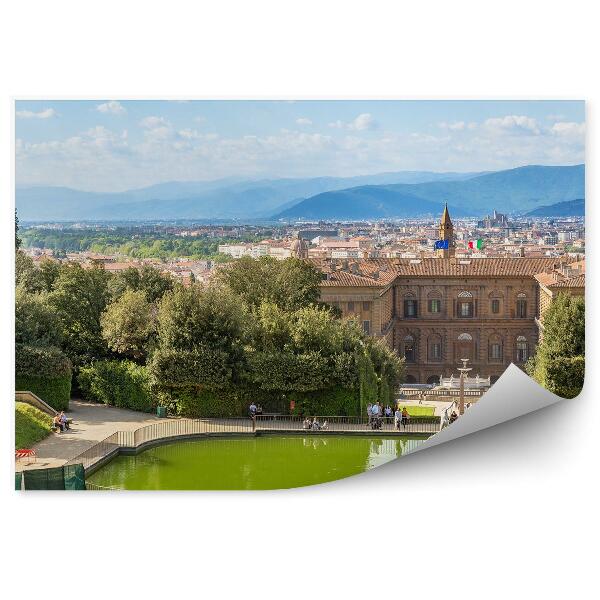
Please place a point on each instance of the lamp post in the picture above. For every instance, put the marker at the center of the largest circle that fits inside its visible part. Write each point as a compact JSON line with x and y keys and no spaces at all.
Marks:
{"x":463,"y":371}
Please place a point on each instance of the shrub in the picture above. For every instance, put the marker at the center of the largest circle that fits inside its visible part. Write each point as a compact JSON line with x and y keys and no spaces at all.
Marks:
{"x":46,"y":372}
{"x":31,"y":425}
{"x":118,"y":383}
{"x":195,"y":403}
{"x":55,"y":391}
{"x":201,"y":368}
{"x":337,"y":401}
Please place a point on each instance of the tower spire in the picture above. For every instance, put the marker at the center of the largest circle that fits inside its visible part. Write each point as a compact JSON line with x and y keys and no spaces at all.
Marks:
{"x":446,"y":232}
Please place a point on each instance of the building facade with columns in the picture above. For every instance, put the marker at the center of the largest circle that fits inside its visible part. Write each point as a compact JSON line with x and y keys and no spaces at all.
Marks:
{"x":437,"y":311}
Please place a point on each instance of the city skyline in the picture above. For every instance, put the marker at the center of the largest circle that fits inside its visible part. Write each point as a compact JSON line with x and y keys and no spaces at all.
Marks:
{"x":114,"y":145}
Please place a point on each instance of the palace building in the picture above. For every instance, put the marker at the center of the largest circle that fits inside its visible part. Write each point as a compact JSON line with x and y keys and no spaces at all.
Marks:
{"x":437,"y":311}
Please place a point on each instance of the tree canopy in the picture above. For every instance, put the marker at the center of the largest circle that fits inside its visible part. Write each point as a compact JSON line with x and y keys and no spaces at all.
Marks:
{"x":559,"y":362}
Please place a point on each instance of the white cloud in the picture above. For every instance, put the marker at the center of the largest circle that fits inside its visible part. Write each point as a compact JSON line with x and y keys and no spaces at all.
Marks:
{"x":363,"y":122}
{"x":47,"y":113}
{"x":200,"y":120}
{"x":113,"y":107}
{"x":455,"y":126}
{"x":568,"y":129}
{"x":303,"y":121}
{"x":154,"y":122}
{"x":513,"y":124}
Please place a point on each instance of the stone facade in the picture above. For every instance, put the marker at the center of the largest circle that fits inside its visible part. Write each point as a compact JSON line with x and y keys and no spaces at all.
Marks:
{"x":436,"y":311}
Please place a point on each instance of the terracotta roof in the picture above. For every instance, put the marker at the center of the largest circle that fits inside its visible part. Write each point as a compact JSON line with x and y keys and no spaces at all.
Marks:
{"x":572,"y":282}
{"x":381,"y":271}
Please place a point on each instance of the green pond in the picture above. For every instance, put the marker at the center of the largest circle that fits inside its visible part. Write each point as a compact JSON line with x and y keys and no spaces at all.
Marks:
{"x":253,"y":463}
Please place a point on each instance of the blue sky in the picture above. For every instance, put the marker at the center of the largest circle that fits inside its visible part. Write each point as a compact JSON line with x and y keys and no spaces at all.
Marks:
{"x":111,"y":145}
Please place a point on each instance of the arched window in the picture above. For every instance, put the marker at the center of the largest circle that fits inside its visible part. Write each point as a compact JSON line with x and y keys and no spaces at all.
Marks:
{"x":521,"y":306}
{"x":522,"y":349}
{"x":495,"y":349}
{"x":494,"y":378}
{"x":433,"y":380}
{"x":464,"y":346}
{"x":410,"y":379}
{"x":465,"y":305}
{"x":434,"y":348}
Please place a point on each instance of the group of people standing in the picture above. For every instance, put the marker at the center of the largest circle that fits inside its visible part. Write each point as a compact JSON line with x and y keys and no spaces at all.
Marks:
{"x":376,"y":413}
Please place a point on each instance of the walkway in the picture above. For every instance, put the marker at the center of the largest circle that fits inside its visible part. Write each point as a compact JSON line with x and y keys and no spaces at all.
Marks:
{"x":91,"y":423}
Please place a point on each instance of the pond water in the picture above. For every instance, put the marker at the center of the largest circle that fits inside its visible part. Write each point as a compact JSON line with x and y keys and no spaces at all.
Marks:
{"x":253,"y":463}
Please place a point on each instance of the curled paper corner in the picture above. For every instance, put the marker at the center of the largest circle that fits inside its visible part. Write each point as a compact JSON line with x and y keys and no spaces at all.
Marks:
{"x":513,"y":395}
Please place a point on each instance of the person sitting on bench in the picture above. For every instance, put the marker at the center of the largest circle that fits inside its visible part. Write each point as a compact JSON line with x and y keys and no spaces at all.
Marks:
{"x":64,"y":420}
{"x":57,"y":424}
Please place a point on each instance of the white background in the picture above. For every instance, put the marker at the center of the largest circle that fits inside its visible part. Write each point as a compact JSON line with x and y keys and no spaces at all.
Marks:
{"x":509,"y":512}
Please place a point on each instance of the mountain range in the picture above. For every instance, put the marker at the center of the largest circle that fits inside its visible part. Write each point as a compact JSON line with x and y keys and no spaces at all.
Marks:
{"x":511,"y":191}
{"x":383,"y":195}
{"x":570,"y":208}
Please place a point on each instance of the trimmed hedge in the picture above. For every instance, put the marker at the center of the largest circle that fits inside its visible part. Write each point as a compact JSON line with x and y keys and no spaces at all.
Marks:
{"x":186,"y":369}
{"x":337,"y":401}
{"x":196,"y":403}
{"x":31,"y":425}
{"x":46,"y":372}
{"x":118,"y":383}
{"x":55,"y":391}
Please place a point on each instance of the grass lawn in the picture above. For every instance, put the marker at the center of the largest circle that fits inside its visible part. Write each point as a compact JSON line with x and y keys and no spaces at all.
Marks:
{"x":31,"y":425}
{"x":419,"y":411}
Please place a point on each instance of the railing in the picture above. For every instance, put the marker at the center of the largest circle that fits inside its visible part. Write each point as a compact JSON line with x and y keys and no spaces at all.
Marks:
{"x":172,"y":428}
{"x":427,"y":425}
{"x":181,"y":428}
{"x":440,"y":392}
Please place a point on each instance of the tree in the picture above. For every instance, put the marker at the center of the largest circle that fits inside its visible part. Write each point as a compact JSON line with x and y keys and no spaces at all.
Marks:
{"x":290,"y":284}
{"x":18,"y":240}
{"x":559,"y":363}
{"x":47,"y":274}
{"x":148,"y":280}
{"x":79,"y":298}
{"x":25,"y":273}
{"x":128,"y":325}
{"x":36,"y":323}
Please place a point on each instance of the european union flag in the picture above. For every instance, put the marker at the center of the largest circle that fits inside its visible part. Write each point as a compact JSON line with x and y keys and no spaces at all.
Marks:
{"x":441,"y":244}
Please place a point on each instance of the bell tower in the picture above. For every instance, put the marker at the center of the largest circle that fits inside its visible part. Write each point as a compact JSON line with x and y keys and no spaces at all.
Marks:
{"x":446,"y":232}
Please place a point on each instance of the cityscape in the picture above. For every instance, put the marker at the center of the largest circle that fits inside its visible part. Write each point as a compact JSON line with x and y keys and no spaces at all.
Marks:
{"x":275,"y":299}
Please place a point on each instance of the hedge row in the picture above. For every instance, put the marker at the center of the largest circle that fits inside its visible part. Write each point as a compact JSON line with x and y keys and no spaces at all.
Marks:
{"x":55,"y":391}
{"x":336,"y":401}
{"x":118,"y":383}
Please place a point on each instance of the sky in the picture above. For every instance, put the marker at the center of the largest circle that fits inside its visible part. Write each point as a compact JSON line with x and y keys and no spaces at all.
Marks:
{"x":110,"y":145}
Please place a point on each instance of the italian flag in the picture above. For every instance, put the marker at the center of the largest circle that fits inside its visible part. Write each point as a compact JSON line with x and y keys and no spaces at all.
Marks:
{"x":476,"y":244}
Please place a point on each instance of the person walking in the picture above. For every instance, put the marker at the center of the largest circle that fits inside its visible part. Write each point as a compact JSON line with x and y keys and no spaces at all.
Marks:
{"x":369,"y":413}
{"x":252,"y":413}
{"x":397,"y":418}
{"x":405,"y":417}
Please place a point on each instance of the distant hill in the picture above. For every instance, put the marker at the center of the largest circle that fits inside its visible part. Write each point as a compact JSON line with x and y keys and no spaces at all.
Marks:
{"x":231,"y":198}
{"x":570,"y":208}
{"x":508,"y":191}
